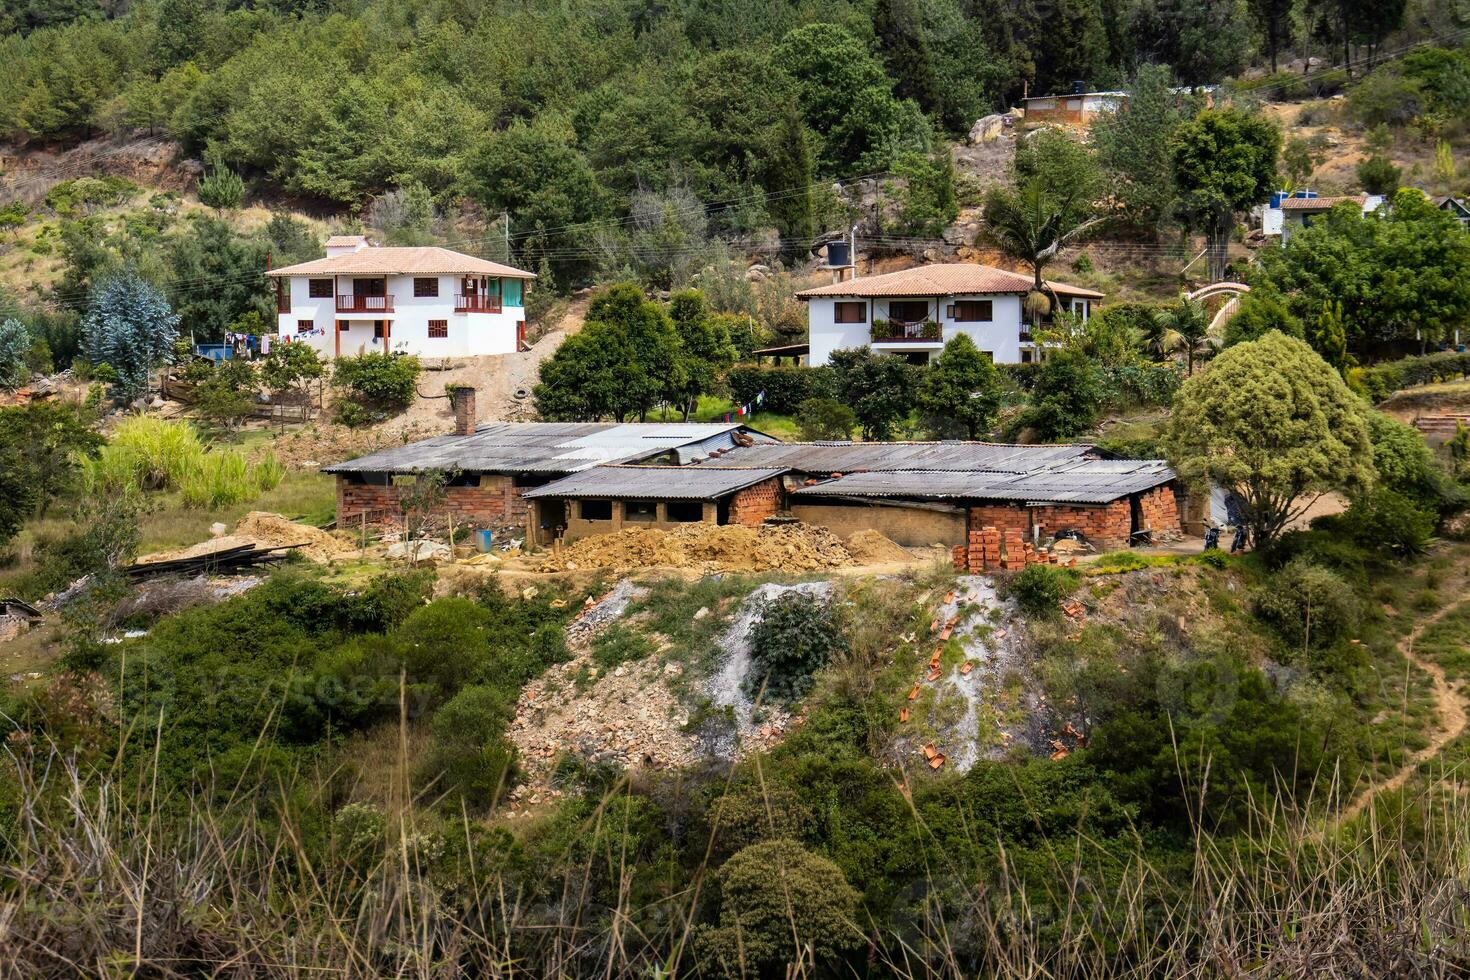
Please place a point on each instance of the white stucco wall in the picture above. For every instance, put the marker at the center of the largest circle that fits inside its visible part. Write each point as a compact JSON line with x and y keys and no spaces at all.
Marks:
{"x":469,"y":333}
{"x":1001,"y":336}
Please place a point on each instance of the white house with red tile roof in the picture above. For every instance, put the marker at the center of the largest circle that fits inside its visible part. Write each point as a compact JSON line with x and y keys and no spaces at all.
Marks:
{"x":1291,"y":214}
{"x":985,"y":303}
{"x":428,"y":301}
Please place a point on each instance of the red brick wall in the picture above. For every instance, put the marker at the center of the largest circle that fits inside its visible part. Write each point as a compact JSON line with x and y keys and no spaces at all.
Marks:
{"x":754,"y":504}
{"x":1006,"y":517}
{"x":1161,"y":512}
{"x":1104,"y":522}
{"x":496,"y":502}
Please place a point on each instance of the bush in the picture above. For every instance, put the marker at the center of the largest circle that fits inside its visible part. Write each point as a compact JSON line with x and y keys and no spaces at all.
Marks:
{"x":1388,"y":521}
{"x":378,"y":384}
{"x":818,"y":419}
{"x":1067,"y":397}
{"x":1378,"y":175}
{"x":1130,"y":385}
{"x":776,"y":901}
{"x":618,"y":644}
{"x":1386,"y":98}
{"x":1308,"y":605}
{"x":1040,"y":589}
{"x":785,"y":387}
{"x":796,"y":635}
{"x":469,"y":757}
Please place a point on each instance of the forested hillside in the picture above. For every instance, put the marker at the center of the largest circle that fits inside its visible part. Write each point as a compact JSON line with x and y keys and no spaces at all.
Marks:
{"x":572,"y":112}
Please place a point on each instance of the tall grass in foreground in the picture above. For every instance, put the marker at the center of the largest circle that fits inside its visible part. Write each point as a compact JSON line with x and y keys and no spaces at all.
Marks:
{"x":105,"y":875}
{"x":154,"y":454}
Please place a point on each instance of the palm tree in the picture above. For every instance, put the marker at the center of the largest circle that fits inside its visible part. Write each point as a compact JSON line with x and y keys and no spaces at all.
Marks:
{"x":1184,"y":329}
{"x":1033,"y":224}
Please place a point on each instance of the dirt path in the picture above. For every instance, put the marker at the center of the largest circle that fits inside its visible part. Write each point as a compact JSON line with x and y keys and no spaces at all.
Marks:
{"x":1448,"y":704}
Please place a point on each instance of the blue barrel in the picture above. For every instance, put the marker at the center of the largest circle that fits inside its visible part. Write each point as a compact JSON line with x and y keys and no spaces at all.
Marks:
{"x":483,"y":540}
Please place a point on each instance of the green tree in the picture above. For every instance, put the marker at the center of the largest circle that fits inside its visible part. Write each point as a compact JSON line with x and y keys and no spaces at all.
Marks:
{"x":899,"y":27}
{"x":1051,"y":204}
{"x":1273,"y":20}
{"x":1299,"y":161}
{"x":789,"y":174}
{"x":15,"y":346}
{"x":293,"y":368}
{"x":1184,"y":328}
{"x":622,"y":366}
{"x":1067,"y":396}
{"x":221,"y":189}
{"x":879,"y":388}
{"x":1274,"y":423}
{"x":927,"y":202}
{"x":1261,"y":310}
{"x":1225,"y":163}
{"x":820,"y":419}
{"x":1378,"y":175}
{"x":961,"y":391}
{"x":1133,"y":146}
{"x":1329,"y":339}
{"x":129,"y":326}
{"x":208,"y":250}
{"x":705,"y":350}
{"x":43,"y":442}
{"x":779,"y":904}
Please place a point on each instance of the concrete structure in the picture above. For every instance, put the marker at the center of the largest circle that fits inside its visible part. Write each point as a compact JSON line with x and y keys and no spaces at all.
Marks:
{"x":912,"y":313}
{"x":1285,"y":215}
{"x":1074,"y":109}
{"x":431,"y":302}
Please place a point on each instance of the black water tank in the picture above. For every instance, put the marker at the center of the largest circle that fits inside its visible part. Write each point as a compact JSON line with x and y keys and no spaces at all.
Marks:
{"x":1079,"y":87}
{"x":839,"y":255}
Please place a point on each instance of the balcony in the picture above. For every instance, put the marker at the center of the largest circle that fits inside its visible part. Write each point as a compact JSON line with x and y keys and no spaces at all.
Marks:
{"x":898,"y":332}
{"x":364,"y":304}
{"x":476,"y":303}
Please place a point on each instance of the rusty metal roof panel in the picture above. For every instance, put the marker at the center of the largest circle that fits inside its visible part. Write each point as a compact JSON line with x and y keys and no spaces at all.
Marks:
{"x":653,"y":483}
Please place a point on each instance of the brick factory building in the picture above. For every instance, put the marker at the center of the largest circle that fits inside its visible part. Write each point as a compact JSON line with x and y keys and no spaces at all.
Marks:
{"x":572,"y":480}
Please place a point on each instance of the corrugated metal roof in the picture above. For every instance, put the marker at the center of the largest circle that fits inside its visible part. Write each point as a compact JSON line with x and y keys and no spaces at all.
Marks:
{"x":544,"y":447}
{"x":1083,"y":482}
{"x":402,"y":260}
{"x":653,"y":483}
{"x":852,"y":457}
{"x":944,"y":279}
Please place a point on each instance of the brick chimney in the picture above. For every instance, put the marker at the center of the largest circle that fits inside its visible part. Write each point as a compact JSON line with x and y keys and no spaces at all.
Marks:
{"x":462,"y":397}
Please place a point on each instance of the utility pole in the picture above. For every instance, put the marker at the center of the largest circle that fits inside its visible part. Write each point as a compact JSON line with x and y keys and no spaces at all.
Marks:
{"x":505,"y":216}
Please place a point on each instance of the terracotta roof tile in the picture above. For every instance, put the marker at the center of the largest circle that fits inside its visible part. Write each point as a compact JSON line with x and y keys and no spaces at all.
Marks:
{"x":953,"y":279}
{"x":421,"y":261}
{"x":1320,"y":203}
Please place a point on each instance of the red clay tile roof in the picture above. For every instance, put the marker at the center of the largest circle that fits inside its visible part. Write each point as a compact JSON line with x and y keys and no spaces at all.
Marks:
{"x":952,"y":279}
{"x":1320,"y":203}
{"x":421,"y":261}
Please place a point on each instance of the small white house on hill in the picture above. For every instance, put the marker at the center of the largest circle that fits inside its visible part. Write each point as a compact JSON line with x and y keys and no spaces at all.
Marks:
{"x":428,"y":301}
{"x":912,"y":313}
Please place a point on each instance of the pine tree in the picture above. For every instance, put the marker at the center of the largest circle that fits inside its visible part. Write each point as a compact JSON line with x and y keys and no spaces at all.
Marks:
{"x":789,"y":179}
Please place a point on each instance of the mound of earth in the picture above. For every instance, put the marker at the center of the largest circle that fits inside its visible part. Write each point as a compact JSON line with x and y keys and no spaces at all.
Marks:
{"x":264,"y":530}
{"x":792,"y":547}
{"x":872,"y":548}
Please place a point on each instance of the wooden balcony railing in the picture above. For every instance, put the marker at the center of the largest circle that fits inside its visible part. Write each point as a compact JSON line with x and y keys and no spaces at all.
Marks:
{"x":364,"y":304}
{"x":476,"y":303}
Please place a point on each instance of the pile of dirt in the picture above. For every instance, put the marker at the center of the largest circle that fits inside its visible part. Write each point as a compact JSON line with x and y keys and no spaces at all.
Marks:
{"x":792,"y":547}
{"x":264,"y":530}
{"x":872,"y":548}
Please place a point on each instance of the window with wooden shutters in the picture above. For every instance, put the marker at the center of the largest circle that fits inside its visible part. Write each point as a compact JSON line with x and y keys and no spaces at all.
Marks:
{"x":438,"y":328}
{"x":319,"y":288}
{"x":303,"y":326}
{"x":425,"y":286}
{"x":850,"y":312}
{"x":972,"y":311}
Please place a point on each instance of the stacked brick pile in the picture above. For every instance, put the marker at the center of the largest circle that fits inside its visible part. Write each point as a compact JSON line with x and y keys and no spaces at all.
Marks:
{"x":754,"y":504}
{"x":1161,"y":513}
{"x":1105,"y":526}
{"x":990,"y":548}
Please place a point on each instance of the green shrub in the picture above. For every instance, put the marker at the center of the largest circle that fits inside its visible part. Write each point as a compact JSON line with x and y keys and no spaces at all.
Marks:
{"x":1039,"y":589}
{"x":379,"y":384}
{"x":777,"y":900}
{"x":1308,"y":605}
{"x":819,"y":419}
{"x":785,"y":387}
{"x":619,"y":644}
{"x":1387,"y":521}
{"x":797,"y":634}
{"x":469,"y":757}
